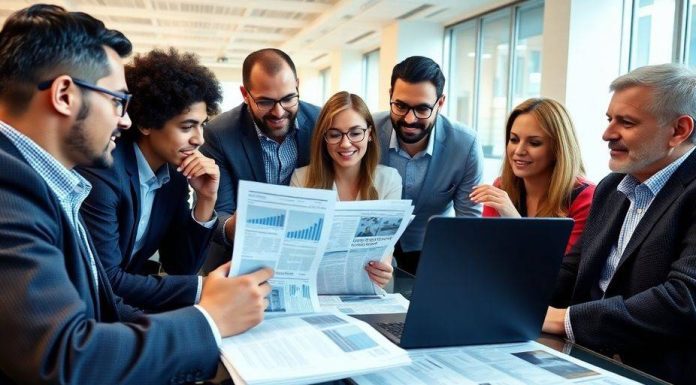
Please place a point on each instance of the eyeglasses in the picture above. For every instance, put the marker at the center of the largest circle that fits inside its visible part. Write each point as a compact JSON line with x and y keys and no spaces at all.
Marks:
{"x":266,"y":104}
{"x":354,"y":135}
{"x":422,"y":111}
{"x":121,"y":99}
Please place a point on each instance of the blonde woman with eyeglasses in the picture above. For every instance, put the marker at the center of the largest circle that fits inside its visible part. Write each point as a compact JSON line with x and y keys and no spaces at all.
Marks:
{"x":345,"y":157}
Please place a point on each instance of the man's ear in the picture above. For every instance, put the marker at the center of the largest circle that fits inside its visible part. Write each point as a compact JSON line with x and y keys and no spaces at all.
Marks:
{"x":64,"y":96}
{"x":245,"y":94}
{"x":441,"y":102}
{"x":682,"y":128}
{"x":144,"y":131}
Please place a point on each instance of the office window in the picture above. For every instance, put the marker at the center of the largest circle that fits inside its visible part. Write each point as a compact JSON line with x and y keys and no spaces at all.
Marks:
{"x":494,"y":63}
{"x":325,"y":81}
{"x":652,"y":32}
{"x":691,"y":35}
{"x":463,"y":67}
{"x":370,"y":88}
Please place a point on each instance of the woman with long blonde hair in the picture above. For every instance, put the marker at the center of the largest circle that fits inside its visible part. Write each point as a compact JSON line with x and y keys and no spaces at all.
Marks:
{"x":543,"y":173}
{"x":344,"y":156}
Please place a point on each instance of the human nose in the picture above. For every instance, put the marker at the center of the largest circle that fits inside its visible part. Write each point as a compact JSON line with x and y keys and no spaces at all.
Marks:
{"x":277,"y":109}
{"x":610,"y":133}
{"x":197,"y":137}
{"x":345,"y":142}
{"x":125,"y":122}
{"x":409,"y":114}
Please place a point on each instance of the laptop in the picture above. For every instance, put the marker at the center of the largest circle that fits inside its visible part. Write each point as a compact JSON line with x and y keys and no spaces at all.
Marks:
{"x":480,"y":281}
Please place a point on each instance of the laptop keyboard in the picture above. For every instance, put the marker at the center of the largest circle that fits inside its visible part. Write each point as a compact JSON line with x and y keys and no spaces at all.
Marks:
{"x":394,"y":328}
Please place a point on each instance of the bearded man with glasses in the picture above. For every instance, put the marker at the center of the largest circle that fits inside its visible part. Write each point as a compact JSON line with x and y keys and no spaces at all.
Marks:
{"x":264,"y":139}
{"x":439,"y":160}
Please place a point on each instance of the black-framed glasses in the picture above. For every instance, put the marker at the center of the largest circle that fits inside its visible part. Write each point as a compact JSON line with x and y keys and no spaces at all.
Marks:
{"x":354,"y":135}
{"x":122,"y":99}
{"x":265,"y":104}
{"x":421,"y":111}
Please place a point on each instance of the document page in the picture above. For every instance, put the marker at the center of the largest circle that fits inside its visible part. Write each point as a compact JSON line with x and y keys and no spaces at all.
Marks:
{"x":362,"y":231}
{"x":285,"y":228}
{"x":364,"y":304}
{"x":504,"y":364}
{"x":308,"y":348}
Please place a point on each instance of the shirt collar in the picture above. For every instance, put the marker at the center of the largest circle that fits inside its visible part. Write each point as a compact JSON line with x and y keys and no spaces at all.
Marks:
{"x":145,"y":174}
{"x":394,"y":141}
{"x":64,"y":182}
{"x":657,"y":181}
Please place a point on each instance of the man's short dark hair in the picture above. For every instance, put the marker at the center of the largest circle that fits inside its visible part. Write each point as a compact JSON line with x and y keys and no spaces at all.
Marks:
{"x":271,"y":61}
{"x":165,"y":84}
{"x":416,"y":69}
{"x":42,"y":42}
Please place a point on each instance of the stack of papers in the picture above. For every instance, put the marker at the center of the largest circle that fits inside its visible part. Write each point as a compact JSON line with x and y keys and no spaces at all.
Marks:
{"x":364,"y":304}
{"x":309,"y":348}
{"x":504,"y":364}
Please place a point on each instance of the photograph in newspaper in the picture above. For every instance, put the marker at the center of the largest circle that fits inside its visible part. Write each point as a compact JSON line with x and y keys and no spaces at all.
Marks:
{"x":393,"y":303}
{"x":362,"y":231}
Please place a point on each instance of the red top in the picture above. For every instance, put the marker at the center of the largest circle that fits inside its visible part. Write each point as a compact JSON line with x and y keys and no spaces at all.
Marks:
{"x":579,"y":209}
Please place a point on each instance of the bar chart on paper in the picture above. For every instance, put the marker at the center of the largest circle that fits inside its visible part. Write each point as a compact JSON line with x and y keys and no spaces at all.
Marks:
{"x":305,"y":226}
{"x":265,"y":217}
{"x":297,"y":291}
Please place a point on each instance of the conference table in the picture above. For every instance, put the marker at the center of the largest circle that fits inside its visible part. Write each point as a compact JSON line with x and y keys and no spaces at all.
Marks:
{"x":403,"y":284}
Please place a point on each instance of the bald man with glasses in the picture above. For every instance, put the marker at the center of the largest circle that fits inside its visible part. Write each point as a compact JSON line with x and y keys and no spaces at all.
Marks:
{"x":264,"y":139}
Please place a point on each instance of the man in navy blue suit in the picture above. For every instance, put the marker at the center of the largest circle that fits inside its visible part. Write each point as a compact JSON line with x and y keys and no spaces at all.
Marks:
{"x":628,"y":287}
{"x":140,"y":204}
{"x":63,"y":102}
{"x":263,"y":139}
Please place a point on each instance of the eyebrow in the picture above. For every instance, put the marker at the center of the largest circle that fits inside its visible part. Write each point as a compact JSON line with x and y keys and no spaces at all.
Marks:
{"x":417,"y":105}
{"x":349,"y":128}
{"x":194,"y":121}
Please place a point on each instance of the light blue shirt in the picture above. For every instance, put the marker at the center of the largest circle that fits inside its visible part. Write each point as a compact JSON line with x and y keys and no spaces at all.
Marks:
{"x":641,"y":196}
{"x":411,"y":168}
{"x":70,"y":188}
{"x":279,"y":159}
{"x":150,"y":182}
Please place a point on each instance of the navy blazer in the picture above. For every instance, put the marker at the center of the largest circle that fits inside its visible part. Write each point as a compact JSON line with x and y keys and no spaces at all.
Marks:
{"x":648,"y":313}
{"x":232,"y":141}
{"x":54,"y":326}
{"x":112,"y":211}
{"x":455,"y":168}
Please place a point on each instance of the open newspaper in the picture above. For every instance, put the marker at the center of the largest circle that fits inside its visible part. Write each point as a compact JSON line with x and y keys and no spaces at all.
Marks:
{"x":504,"y":364}
{"x":314,"y":244}
{"x":308,"y":348}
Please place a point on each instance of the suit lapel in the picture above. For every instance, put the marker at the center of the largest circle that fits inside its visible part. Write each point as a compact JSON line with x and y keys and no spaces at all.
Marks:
{"x":252,"y":146}
{"x":598,"y":249}
{"x":664,"y":199}
{"x":131,"y":164}
{"x":304,"y":136}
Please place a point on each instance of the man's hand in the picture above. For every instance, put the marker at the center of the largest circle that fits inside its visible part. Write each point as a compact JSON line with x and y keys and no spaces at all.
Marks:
{"x":236,"y":304}
{"x":204,"y":177}
{"x":554,"y":323}
{"x":380,"y":273}
{"x":496,"y":198}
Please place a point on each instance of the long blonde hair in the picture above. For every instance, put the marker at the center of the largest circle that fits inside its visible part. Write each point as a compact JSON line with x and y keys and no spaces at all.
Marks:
{"x":567,"y":168}
{"x":321,"y":173}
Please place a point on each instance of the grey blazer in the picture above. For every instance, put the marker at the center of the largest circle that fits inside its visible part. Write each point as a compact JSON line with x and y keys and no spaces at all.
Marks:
{"x":455,"y":168}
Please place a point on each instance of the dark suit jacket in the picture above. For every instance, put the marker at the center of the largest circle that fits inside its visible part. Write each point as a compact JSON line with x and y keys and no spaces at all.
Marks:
{"x":112,"y":211}
{"x":54,"y":326}
{"x":648,"y":313}
{"x":232,"y":141}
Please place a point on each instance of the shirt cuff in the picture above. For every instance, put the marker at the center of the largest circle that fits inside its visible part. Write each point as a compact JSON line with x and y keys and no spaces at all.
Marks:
{"x":211,"y":323}
{"x":199,"y":289}
{"x":568,"y":327}
{"x":224,"y":233}
{"x":208,"y":224}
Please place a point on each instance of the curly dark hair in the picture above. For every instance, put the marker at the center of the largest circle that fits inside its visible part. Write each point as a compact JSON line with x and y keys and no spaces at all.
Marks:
{"x":164,"y":85}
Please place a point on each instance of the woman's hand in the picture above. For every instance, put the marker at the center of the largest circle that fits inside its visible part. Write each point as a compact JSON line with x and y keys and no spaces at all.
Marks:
{"x":379,"y":272}
{"x":496,"y":198}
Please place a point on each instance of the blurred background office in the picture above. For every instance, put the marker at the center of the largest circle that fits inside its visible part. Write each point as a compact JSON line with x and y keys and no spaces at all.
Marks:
{"x":495,"y":53}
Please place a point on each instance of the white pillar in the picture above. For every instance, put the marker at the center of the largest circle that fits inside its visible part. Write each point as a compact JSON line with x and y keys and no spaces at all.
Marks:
{"x":582,"y":55}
